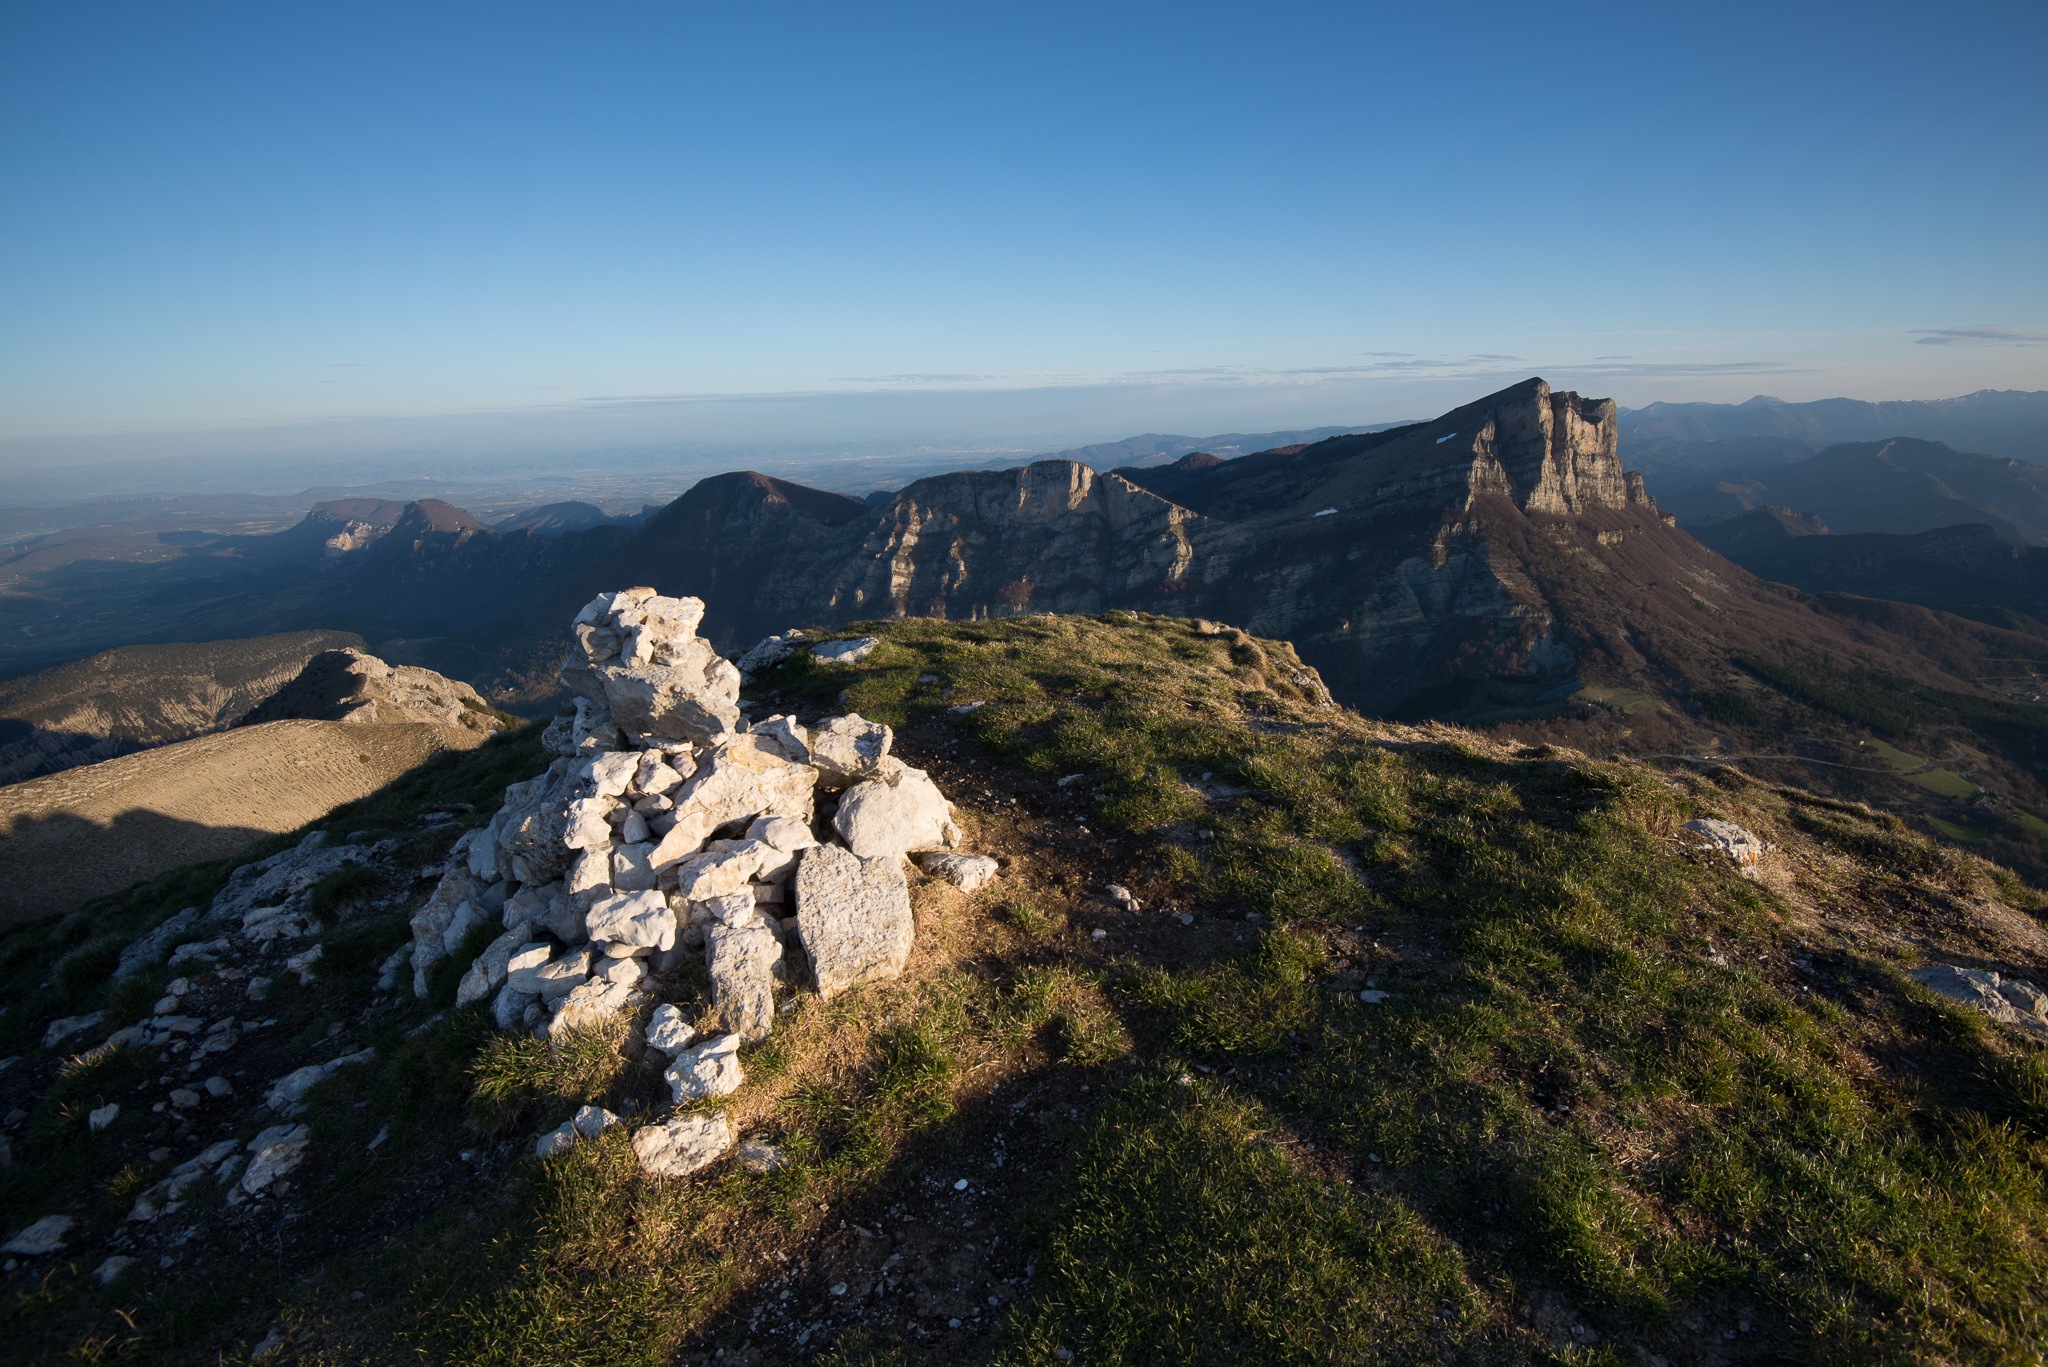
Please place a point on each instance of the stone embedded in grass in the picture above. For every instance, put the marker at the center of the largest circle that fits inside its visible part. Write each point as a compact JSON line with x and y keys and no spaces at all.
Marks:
{"x":561,"y":1139}
{"x":44,"y":1236}
{"x":2012,"y":1001}
{"x":679,"y":1147}
{"x":110,"y":1271}
{"x":893,"y":815}
{"x":65,"y":1027}
{"x":758,"y":1156}
{"x":850,"y":652}
{"x":1729,"y":838}
{"x":967,"y":872}
{"x":274,"y":1153}
{"x":853,"y":916}
{"x":710,"y":1069}
{"x":100,"y":1117}
{"x":592,"y":1121}
{"x":287,"y":1094}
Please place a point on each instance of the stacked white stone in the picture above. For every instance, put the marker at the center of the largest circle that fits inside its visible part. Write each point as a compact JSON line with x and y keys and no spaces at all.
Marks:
{"x":668,"y":827}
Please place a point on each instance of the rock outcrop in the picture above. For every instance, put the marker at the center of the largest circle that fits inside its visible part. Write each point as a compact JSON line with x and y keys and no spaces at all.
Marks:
{"x":354,"y":686}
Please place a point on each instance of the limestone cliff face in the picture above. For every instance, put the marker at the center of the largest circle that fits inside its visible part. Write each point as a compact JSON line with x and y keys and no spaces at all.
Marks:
{"x":1379,"y":554}
{"x":1051,"y":537}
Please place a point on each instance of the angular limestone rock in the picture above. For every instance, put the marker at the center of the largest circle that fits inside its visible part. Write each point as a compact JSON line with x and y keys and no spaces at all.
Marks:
{"x":723,"y":869}
{"x":679,"y":1147}
{"x":611,"y":775}
{"x":2011,"y":1000}
{"x":890,"y":816}
{"x":696,"y":697}
{"x":633,"y":918}
{"x":1729,"y":838}
{"x":451,"y":905}
{"x":274,"y":1153}
{"x":590,"y":1004}
{"x":853,"y":916}
{"x":508,"y":1008}
{"x":786,"y":735}
{"x":560,"y":976}
{"x":847,"y":750}
{"x":742,"y":777}
{"x":845,"y":652}
{"x":46,"y":1235}
{"x":632,"y":864}
{"x":967,"y":872}
{"x":585,"y":827}
{"x":680,"y":841}
{"x":488,"y":972}
{"x":741,"y":961}
{"x":668,"y":1034}
{"x":710,"y":1069}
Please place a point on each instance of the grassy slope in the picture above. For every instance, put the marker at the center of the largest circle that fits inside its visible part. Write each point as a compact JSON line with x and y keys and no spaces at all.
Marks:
{"x":1619,"y":1097}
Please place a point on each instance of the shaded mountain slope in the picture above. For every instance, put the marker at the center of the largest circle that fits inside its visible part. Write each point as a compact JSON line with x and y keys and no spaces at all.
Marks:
{"x":1764,"y":526}
{"x":71,"y":836}
{"x":1968,"y":564}
{"x":1903,"y":485}
{"x":135,"y":697}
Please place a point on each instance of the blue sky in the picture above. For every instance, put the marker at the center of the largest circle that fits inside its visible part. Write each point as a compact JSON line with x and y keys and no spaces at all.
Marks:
{"x":982,"y":222}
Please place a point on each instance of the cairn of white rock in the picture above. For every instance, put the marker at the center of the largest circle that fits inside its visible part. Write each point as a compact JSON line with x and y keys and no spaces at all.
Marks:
{"x":670,"y":827}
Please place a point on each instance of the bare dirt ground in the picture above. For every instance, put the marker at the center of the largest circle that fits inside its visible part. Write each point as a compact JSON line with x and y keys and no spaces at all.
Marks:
{"x":66,"y":838}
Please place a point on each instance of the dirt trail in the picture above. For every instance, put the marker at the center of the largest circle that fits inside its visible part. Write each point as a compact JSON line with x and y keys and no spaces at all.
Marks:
{"x":68,"y":837}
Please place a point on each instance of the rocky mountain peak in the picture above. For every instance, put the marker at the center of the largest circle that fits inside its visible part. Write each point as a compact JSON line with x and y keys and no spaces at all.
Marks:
{"x":1549,"y":452}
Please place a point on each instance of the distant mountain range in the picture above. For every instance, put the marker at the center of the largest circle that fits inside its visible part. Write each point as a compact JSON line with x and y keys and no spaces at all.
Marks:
{"x":1677,"y":444}
{"x":556,"y":519}
{"x":1903,"y":485}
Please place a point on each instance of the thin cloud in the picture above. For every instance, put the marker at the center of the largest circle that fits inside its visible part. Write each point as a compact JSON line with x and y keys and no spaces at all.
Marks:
{"x":917,"y":379}
{"x":1981,"y":334}
{"x":1679,"y":369}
